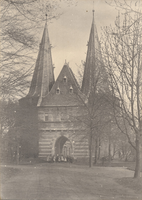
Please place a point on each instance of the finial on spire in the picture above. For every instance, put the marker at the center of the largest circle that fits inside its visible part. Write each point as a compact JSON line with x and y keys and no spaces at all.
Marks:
{"x":46,"y":17}
{"x":46,"y":10}
{"x":66,"y":63}
{"x":93,"y":8}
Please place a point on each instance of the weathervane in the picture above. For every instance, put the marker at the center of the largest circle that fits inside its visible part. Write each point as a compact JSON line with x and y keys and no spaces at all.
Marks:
{"x":46,"y":17}
{"x":93,"y":8}
{"x":46,"y":12}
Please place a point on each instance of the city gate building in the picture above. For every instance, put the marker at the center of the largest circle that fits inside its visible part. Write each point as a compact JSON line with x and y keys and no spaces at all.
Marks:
{"x":48,"y":114}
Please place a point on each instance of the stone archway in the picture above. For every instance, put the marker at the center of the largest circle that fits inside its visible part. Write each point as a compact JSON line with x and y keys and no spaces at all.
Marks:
{"x":63,"y":146}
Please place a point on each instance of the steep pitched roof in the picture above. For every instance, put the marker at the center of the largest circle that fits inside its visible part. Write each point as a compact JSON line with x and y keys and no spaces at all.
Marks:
{"x":43,"y":77}
{"x":94,"y":72}
{"x":64,"y":97}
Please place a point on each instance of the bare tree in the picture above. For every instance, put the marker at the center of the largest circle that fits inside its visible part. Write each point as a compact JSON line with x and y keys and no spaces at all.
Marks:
{"x":21,"y":25}
{"x":122,"y":55}
{"x":7,"y":122}
{"x":97,"y":118}
{"x":95,"y":113}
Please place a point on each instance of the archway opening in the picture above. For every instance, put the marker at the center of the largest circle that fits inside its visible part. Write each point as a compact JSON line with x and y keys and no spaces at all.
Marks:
{"x":63,"y":147}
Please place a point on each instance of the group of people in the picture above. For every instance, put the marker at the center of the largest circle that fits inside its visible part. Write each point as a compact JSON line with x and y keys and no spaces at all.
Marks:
{"x":59,"y":158}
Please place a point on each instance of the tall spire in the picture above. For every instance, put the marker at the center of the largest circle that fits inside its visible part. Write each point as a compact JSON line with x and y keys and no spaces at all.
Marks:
{"x":43,"y":77}
{"x":94,"y":68}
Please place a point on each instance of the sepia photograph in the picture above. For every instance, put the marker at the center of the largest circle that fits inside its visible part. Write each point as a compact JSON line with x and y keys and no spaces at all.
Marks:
{"x":71,"y":99}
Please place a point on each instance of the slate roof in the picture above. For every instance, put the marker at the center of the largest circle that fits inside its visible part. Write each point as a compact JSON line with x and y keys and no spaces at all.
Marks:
{"x":43,"y":77}
{"x":64,"y":98}
{"x":94,"y":72}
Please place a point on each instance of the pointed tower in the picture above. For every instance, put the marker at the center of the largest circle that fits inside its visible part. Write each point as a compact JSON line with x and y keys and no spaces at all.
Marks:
{"x":94,"y":72}
{"x":43,"y":77}
{"x":41,"y":84}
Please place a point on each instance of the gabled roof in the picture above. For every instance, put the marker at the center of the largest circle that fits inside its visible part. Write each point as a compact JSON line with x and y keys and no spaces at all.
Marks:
{"x":94,"y":72}
{"x":65,"y":81}
{"x":43,"y":77}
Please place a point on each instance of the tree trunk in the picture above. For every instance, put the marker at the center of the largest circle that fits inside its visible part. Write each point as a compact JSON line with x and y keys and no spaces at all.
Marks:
{"x":17,"y":148}
{"x":99,"y":150}
{"x":96,"y":151}
{"x":17,"y":153}
{"x":90,"y":156}
{"x":138,"y":157}
{"x":90,"y":150}
{"x":114,"y":149}
{"x":109,"y":151}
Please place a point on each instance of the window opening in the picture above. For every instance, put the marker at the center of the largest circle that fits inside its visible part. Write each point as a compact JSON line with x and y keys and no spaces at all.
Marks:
{"x":46,"y":118}
{"x":71,"y":89}
{"x":58,"y":90}
{"x":65,"y":79}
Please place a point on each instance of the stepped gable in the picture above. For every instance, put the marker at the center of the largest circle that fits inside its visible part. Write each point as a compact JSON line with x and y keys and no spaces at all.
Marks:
{"x":65,"y":91}
{"x":94,"y":72}
{"x":43,"y":76}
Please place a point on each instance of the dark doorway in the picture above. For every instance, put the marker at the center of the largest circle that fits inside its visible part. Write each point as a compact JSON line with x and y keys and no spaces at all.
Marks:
{"x":63,"y":146}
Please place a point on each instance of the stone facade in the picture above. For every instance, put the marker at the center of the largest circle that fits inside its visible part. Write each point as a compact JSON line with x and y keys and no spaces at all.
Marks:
{"x":57,"y":117}
{"x":55,"y":131}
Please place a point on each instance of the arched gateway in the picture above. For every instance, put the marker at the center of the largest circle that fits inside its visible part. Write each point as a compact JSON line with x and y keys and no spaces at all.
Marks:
{"x":63,"y":146}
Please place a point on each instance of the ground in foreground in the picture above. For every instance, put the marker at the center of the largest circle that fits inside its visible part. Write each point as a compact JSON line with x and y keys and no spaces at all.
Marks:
{"x":68,"y":182}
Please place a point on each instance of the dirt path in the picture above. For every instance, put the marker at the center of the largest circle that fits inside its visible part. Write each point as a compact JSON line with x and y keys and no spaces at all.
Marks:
{"x":67,"y":182}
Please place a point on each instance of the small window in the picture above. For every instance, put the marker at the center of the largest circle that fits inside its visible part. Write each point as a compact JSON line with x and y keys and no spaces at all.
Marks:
{"x":65,"y":79}
{"x":58,"y":90}
{"x":46,"y":118}
{"x":71,"y":89}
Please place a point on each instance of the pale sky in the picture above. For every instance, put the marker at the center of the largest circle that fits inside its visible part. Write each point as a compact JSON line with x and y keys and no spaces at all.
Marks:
{"x":70,"y":33}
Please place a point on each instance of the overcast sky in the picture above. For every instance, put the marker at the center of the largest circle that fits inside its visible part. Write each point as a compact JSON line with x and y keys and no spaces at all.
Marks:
{"x":70,"y":33}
